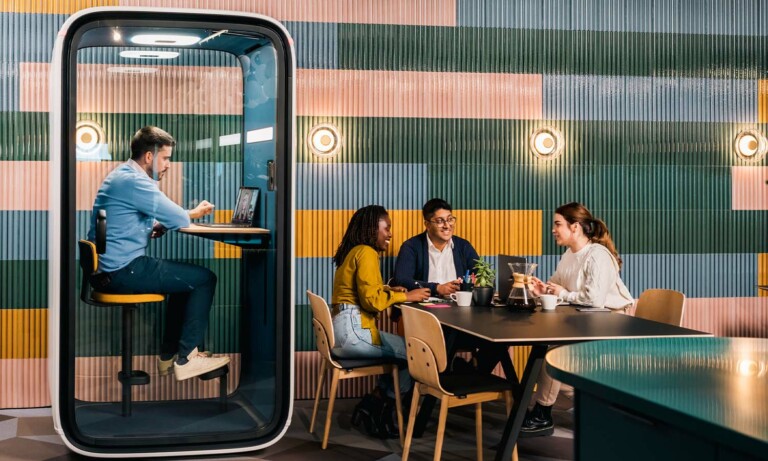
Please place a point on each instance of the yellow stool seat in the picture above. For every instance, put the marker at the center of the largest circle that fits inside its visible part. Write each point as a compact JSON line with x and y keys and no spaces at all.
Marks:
{"x":111,"y":298}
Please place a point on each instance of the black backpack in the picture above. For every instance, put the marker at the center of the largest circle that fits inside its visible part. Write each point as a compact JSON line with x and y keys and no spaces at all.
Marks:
{"x":376,"y":416}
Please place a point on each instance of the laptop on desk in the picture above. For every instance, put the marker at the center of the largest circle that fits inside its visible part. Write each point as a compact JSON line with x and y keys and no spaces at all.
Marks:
{"x":246,"y":207}
{"x":505,"y":273}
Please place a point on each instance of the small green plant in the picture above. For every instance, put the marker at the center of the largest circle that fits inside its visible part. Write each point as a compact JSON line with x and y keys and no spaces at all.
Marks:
{"x":485,"y":275}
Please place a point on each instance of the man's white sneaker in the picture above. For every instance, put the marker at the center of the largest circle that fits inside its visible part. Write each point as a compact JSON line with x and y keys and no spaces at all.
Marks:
{"x":197,"y":365}
{"x":165,"y":367}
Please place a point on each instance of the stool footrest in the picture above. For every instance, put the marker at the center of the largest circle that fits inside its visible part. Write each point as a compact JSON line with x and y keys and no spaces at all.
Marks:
{"x":215,"y":373}
{"x":136,"y":378}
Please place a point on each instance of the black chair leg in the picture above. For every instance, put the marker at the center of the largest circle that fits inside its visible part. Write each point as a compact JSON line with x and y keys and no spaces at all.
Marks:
{"x":223,"y":391}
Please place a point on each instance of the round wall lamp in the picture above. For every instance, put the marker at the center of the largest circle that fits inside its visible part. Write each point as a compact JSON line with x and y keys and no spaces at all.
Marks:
{"x":750,"y":145}
{"x":89,"y":138}
{"x":324,"y":140}
{"x":547,"y":143}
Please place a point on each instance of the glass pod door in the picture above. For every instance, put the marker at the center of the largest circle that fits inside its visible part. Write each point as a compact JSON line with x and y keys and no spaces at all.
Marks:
{"x":221,"y":84}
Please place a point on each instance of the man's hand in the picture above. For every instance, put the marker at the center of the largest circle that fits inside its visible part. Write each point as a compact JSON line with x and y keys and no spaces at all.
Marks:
{"x":448,"y":288}
{"x":204,"y":208}
{"x":158,"y":230}
{"x":417,"y":295}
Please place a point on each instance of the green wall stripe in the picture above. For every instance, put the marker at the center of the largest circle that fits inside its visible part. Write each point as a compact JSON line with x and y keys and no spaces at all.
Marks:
{"x":506,"y":142}
{"x":24,"y":135}
{"x":475,"y":49}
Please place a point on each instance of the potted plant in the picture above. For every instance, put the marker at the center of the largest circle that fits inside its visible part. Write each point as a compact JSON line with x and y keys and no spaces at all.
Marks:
{"x":485,"y":276}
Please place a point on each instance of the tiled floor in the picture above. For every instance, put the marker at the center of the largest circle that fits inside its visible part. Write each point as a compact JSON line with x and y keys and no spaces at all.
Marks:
{"x":28,"y":435}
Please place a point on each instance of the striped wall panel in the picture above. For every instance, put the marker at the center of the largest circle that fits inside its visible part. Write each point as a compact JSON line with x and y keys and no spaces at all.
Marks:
{"x":737,"y":317}
{"x":596,"y":97}
{"x":417,"y":94}
{"x":24,"y":383}
{"x":749,"y":188}
{"x":659,"y":16}
{"x":52,"y":7}
{"x":762,"y":273}
{"x":423,"y":12}
{"x":23,"y":333}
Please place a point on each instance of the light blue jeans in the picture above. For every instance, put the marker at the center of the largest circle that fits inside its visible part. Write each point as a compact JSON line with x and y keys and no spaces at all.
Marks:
{"x":354,"y":342}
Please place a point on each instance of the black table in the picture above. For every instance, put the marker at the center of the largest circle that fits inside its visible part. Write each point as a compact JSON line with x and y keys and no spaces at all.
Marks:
{"x":698,"y":399}
{"x":541,"y":329}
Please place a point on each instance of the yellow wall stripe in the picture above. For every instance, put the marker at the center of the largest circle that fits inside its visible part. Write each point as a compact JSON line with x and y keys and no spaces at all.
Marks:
{"x":23,"y":333}
{"x":762,"y":101}
{"x":491,"y":232}
{"x":762,"y":273}
{"x":51,"y":6}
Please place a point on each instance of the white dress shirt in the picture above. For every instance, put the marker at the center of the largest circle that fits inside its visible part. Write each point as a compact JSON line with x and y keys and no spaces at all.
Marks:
{"x":441,"y":267}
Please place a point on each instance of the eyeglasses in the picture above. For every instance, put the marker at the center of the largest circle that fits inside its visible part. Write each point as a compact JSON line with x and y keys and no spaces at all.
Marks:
{"x":440,"y":221}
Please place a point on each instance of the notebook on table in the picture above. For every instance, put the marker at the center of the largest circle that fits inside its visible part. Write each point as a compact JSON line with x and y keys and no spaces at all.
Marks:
{"x":505,"y":273}
{"x":244,"y":214}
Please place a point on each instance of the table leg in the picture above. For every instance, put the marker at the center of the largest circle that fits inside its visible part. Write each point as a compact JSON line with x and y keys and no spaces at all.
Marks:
{"x":516,"y":416}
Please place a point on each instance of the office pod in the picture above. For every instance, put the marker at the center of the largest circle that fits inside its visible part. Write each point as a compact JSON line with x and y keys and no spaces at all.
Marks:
{"x":222,"y":85}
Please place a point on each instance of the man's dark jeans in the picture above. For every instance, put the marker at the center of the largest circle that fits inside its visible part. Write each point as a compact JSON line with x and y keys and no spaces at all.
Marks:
{"x":190,"y":287}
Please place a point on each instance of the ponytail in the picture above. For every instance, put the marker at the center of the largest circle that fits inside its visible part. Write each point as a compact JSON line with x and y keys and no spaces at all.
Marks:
{"x":594,"y":229}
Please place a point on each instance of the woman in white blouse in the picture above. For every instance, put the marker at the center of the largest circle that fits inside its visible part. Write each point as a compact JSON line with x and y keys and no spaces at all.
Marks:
{"x":588,"y":273}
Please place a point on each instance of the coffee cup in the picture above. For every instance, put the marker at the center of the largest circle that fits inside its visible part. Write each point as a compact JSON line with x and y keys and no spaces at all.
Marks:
{"x":462,"y":298}
{"x":549,"y":302}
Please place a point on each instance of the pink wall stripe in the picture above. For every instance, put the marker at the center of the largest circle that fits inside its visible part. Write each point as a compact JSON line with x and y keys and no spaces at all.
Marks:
{"x":16,"y":179}
{"x":171,"y":90}
{"x":744,"y":317}
{"x":407,"y":12}
{"x":24,"y":383}
{"x":355,"y":93}
{"x":749,"y":186}
{"x":96,"y":381}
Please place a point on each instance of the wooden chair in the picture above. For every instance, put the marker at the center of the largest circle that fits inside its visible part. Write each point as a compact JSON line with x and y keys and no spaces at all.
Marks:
{"x":427,"y":361}
{"x":665,"y":306}
{"x":343,"y":368}
{"x":128,"y":377}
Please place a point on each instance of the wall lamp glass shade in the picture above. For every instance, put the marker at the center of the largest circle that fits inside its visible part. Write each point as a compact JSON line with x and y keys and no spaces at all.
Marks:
{"x":547,"y":143}
{"x":324,"y":140}
{"x":750,"y":145}
{"x":90,"y":142}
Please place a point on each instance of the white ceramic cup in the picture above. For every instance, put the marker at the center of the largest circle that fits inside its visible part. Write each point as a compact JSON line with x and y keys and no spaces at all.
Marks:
{"x":462,"y":298}
{"x":549,"y":302}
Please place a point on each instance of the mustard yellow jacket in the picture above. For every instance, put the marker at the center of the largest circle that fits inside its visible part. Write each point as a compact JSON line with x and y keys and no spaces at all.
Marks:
{"x":358,"y":281}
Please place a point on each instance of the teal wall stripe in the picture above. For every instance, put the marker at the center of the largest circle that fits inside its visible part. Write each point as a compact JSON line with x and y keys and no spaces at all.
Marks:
{"x":586,"y":97}
{"x":31,"y":36}
{"x":24,"y":235}
{"x":9,"y":86}
{"x":334,"y":186}
{"x":316,"y":43}
{"x":186,"y":57}
{"x":476,"y":49}
{"x":659,"y":16}
{"x":217,"y":182}
{"x":23,"y":135}
{"x":23,"y":284}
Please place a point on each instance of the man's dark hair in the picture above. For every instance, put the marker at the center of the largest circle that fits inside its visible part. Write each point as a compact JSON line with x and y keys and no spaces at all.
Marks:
{"x":432,"y":205}
{"x":149,"y":138}
{"x":362,"y":230}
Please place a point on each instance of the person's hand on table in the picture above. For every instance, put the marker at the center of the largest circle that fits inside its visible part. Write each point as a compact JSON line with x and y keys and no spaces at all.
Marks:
{"x":203,"y":208}
{"x":554,"y":289}
{"x":397,"y":289}
{"x":539,"y":287}
{"x":158,"y":230}
{"x":447,"y":288}
{"x":418,"y":295}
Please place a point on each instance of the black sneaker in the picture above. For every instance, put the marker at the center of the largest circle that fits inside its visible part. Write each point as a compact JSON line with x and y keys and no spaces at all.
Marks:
{"x":538,"y":422}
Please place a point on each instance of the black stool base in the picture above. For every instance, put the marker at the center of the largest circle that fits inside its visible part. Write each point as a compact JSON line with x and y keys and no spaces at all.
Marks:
{"x":222,"y":373}
{"x":136,"y":378}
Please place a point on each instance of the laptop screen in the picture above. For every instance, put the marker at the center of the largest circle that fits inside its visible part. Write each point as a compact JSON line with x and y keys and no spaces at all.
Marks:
{"x":245,"y":206}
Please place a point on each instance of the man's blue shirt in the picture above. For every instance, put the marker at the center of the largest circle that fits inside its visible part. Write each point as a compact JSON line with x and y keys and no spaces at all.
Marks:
{"x":133,"y":203}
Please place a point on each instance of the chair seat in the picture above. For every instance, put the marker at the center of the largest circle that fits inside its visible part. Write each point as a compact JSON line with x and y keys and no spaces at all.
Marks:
{"x":471,"y":383}
{"x":349,"y":364}
{"x":112,"y":298}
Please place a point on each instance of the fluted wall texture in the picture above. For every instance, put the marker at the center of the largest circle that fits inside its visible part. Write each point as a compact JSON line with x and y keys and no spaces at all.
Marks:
{"x":433,"y":98}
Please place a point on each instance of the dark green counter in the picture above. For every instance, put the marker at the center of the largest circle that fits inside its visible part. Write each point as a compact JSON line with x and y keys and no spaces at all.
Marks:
{"x":668,"y":398}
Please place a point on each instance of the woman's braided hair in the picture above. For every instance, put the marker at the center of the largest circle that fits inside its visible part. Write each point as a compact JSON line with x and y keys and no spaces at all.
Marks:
{"x":362,"y":230}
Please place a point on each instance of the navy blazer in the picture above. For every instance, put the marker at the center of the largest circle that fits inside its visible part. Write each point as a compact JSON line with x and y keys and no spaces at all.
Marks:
{"x":413,"y":262}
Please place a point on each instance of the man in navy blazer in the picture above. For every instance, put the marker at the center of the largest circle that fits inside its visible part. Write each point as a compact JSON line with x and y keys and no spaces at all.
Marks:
{"x":436,"y":258}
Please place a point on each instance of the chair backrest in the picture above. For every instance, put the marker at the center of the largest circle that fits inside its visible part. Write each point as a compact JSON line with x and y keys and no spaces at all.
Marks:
{"x":322,"y":324}
{"x":666,"y":306}
{"x":89,"y":263}
{"x":425,"y":346}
